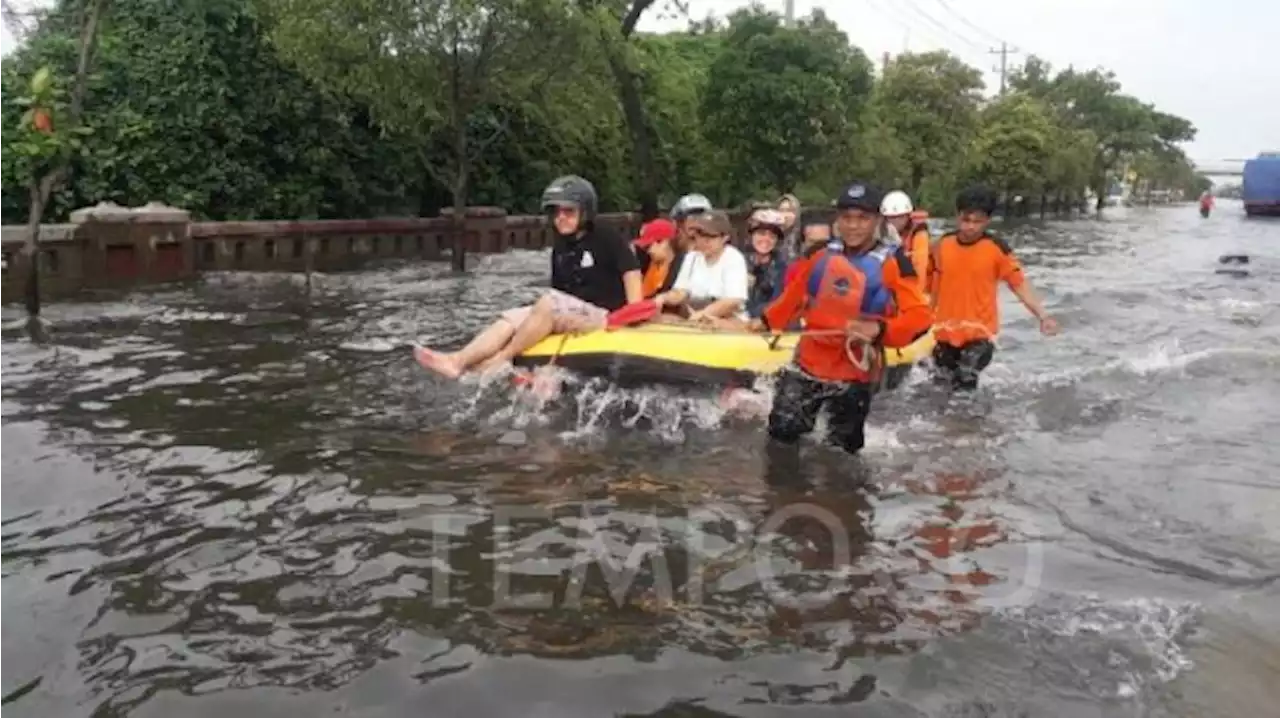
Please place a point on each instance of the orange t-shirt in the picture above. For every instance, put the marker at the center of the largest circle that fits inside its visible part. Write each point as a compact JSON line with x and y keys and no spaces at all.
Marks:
{"x":654,"y":277}
{"x":917,"y":245}
{"x":964,"y":280}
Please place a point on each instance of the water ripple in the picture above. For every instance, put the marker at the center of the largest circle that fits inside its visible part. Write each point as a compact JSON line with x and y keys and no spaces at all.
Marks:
{"x":226,"y":496}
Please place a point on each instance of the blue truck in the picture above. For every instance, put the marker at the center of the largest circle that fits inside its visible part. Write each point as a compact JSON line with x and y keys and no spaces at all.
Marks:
{"x":1261,"y":190}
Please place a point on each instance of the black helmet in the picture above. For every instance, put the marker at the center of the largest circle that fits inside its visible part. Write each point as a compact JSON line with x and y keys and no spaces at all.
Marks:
{"x":574,"y":191}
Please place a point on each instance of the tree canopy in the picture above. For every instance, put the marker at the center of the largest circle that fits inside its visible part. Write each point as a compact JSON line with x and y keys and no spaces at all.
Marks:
{"x":252,"y":109}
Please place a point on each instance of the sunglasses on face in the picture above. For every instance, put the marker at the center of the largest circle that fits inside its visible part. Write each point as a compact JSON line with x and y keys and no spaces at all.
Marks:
{"x":703,"y":234}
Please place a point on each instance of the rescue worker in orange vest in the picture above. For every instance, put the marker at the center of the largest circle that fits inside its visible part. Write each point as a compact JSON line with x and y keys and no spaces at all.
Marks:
{"x":912,"y":229}
{"x":1206,"y":203}
{"x":855,"y":298}
{"x":966,"y":269}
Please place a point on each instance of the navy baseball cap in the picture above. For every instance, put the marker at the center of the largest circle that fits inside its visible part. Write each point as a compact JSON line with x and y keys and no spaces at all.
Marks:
{"x":861,"y":195}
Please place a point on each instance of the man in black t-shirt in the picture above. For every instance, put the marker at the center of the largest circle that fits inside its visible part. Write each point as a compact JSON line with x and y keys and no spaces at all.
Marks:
{"x":593,"y":272}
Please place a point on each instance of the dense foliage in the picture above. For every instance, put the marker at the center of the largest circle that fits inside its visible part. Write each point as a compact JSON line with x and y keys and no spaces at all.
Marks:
{"x":253,"y":109}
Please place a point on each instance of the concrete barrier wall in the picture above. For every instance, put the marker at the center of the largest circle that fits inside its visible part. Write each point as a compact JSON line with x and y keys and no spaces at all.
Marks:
{"x":112,"y":246}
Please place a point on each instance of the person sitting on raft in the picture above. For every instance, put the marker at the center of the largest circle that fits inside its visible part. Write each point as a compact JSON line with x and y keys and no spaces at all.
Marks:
{"x":766,"y":262}
{"x":684,"y":208}
{"x":855,"y":298}
{"x":815,"y":233}
{"x":912,"y":230}
{"x":712,"y":284}
{"x":657,"y":241}
{"x":964,"y":280}
{"x":789,"y":206}
{"x":593,"y":272}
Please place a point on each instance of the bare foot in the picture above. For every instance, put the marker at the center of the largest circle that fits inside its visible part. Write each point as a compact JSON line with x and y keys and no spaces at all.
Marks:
{"x":440,"y":363}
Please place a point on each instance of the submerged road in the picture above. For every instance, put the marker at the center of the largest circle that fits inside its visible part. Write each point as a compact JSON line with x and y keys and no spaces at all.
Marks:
{"x":224,"y":499}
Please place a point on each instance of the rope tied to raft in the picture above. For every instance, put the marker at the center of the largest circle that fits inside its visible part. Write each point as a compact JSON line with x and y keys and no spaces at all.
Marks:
{"x":564,"y":339}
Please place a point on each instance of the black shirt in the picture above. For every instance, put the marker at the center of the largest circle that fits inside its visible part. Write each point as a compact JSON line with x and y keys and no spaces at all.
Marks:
{"x":590,"y":267}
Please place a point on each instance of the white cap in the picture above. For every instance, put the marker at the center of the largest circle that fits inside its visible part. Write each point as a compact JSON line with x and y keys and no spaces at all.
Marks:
{"x":690,"y":204}
{"x":896,"y":204}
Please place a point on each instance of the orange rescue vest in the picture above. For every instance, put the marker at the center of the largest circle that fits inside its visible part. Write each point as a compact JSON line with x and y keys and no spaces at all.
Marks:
{"x":836,"y":300}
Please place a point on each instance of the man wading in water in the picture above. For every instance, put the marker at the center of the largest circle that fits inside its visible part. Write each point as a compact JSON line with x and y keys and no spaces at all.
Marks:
{"x":593,"y":271}
{"x":855,"y":298}
{"x":964,"y":279}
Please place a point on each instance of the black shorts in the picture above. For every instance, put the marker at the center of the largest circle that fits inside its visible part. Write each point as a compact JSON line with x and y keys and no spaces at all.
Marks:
{"x":799,"y":398}
{"x":960,"y":366}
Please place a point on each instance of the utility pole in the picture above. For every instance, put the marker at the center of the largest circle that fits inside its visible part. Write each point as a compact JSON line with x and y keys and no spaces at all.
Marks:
{"x":791,"y":13}
{"x":1003,"y":52}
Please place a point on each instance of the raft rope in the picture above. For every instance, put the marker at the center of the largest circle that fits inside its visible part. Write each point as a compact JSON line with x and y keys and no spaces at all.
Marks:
{"x":564,"y":339}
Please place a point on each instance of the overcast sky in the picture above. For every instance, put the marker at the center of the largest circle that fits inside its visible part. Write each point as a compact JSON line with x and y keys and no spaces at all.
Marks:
{"x":1211,"y":62}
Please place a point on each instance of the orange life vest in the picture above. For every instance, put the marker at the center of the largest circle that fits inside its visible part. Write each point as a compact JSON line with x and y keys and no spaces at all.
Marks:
{"x":838,"y":297}
{"x":919,"y":220}
{"x":835,"y":294}
{"x":918,"y":250}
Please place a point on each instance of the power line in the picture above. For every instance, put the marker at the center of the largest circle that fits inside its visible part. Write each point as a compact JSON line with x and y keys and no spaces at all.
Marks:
{"x":947,"y":7}
{"x":942,"y":39}
{"x":942,"y":28}
{"x":1003,"y":52}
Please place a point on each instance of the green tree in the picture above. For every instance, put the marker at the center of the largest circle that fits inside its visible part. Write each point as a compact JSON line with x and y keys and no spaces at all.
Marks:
{"x":872,"y":152}
{"x":779,"y":99}
{"x":48,"y":137}
{"x":615,"y":22}
{"x":427,"y":66}
{"x":1166,"y":169}
{"x":676,"y":67}
{"x":1122,"y":126}
{"x":1013,"y":150}
{"x":931,"y":101}
{"x":1070,"y":165}
{"x":179,"y":114}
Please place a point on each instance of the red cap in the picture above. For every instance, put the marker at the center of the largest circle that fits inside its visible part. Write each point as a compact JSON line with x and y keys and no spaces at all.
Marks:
{"x":659,"y":230}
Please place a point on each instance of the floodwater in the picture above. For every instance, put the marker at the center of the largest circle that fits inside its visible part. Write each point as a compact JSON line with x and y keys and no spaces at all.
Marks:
{"x":222,"y":499}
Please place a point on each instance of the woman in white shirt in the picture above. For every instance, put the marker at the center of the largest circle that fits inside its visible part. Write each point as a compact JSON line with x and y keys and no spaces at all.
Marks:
{"x":712,"y":283}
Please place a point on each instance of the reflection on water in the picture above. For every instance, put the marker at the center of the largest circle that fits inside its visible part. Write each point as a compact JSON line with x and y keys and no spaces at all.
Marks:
{"x":219,"y":498}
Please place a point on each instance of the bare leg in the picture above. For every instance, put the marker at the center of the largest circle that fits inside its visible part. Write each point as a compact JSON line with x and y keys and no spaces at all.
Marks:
{"x":486,"y":344}
{"x":535,"y":328}
{"x":452,"y":365}
{"x":670,"y":318}
{"x":730,"y":324}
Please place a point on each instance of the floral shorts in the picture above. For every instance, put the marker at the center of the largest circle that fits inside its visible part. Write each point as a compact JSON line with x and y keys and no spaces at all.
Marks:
{"x":570,"y":314}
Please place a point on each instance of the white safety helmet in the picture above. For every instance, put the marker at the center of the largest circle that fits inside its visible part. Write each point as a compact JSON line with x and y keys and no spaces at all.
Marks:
{"x":690,"y":204}
{"x":896,"y":204}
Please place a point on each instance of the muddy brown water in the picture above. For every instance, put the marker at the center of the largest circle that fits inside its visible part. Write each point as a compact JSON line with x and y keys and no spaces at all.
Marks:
{"x":224,"y":499}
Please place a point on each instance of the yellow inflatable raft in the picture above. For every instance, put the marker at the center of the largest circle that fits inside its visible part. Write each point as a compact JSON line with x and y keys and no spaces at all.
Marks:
{"x":665,"y":353}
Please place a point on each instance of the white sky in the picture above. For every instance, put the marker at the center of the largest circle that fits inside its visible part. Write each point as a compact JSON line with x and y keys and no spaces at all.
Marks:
{"x":1215,"y":63}
{"x":1211,"y":62}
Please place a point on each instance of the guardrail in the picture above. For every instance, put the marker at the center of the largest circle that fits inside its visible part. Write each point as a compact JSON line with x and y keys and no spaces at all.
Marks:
{"x":112,"y":246}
